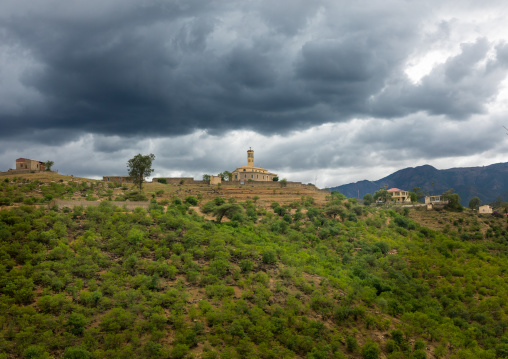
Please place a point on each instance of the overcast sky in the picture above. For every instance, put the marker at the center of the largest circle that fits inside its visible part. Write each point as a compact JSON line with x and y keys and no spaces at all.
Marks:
{"x":328,"y":92}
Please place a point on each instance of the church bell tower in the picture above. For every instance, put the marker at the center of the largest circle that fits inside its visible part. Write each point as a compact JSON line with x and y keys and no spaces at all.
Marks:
{"x":250,"y":158}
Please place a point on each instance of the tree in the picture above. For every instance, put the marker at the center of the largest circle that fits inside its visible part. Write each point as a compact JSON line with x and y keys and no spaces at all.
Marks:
{"x":226,"y":176}
{"x":336,"y":195}
{"x":382,"y":194}
{"x":474,"y":202}
{"x":368,"y":199}
{"x":284,"y":182}
{"x":228,"y":210}
{"x":206,"y":178}
{"x":453,"y":200}
{"x":419,"y":193}
{"x":48,"y":165}
{"x":335,"y":210}
{"x":275,"y":179}
{"x":139,"y":167}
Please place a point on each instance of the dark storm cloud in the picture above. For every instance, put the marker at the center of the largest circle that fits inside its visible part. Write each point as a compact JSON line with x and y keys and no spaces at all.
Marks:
{"x":170,"y":68}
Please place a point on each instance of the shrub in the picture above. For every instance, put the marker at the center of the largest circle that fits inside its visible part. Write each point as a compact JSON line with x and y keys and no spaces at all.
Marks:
{"x":116,"y":320}
{"x":246,"y":265}
{"x":135,"y":196}
{"x":193,"y":201}
{"x":269,"y":256}
{"x":419,"y":344}
{"x":370,"y":351}
{"x":76,"y":353}
{"x":351,"y":344}
{"x":179,"y":351}
{"x":397,"y":336}
{"x":419,"y":354}
{"x":35,"y":352}
{"x":219,"y":201}
{"x":4,"y":201}
{"x":76,"y":323}
{"x":391,"y":346}
{"x":287,"y":218}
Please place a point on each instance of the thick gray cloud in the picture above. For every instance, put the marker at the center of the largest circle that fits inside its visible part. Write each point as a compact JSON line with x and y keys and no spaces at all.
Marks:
{"x":172,"y":67}
{"x":181,"y":78}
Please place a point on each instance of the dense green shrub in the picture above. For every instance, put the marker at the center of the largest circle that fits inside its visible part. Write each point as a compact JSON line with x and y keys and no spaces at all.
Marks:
{"x":269,"y":256}
{"x":193,"y":201}
{"x":370,"y":350}
{"x":351,"y":344}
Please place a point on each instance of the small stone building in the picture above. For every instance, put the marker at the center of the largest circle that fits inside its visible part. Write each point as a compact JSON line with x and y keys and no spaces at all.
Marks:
{"x":252,"y":173}
{"x":435,"y":202}
{"x":31,"y":165}
{"x":485,"y":209}
{"x":215,"y":180}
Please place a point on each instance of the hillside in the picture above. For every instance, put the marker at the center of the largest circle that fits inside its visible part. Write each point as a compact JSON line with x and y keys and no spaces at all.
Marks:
{"x":488,"y":183}
{"x":317,"y":277}
{"x":55,"y":185}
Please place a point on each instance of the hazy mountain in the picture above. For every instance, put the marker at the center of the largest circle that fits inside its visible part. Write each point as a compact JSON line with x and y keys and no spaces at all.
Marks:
{"x":487,"y":182}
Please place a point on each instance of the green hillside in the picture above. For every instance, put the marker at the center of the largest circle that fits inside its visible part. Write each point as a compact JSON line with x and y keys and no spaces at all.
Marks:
{"x":299,"y":280}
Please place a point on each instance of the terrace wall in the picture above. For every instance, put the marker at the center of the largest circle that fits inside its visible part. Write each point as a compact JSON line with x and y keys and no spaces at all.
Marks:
{"x":61,"y":203}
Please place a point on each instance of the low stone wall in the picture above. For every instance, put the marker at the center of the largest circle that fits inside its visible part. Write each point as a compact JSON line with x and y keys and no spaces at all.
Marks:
{"x":271,"y":184}
{"x":61,"y":203}
{"x":19,"y":172}
{"x":174,"y":180}
{"x":118,"y":179}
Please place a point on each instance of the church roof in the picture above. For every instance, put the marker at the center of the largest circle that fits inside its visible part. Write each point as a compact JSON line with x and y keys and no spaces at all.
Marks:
{"x":254,"y":169}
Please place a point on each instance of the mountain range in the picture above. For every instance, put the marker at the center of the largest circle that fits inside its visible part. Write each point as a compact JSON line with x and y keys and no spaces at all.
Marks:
{"x":487,"y":182}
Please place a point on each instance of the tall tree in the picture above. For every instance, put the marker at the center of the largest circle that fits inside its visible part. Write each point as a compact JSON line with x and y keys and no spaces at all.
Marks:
{"x":453,"y":200}
{"x":48,"y":165}
{"x":382,"y":195}
{"x":474,"y":202}
{"x":419,"y":193}
{"x":139,"y":167}
{"x":368,"y":199}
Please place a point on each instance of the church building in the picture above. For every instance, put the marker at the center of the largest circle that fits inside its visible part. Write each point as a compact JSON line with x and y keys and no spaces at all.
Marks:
{"x":250,"y":172}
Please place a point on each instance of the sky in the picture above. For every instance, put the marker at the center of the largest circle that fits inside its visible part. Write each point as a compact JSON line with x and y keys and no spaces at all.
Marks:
{"x":326,"y":92}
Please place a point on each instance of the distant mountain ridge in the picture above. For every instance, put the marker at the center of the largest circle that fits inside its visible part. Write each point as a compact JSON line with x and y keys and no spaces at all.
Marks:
{"x":487,"y":182}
